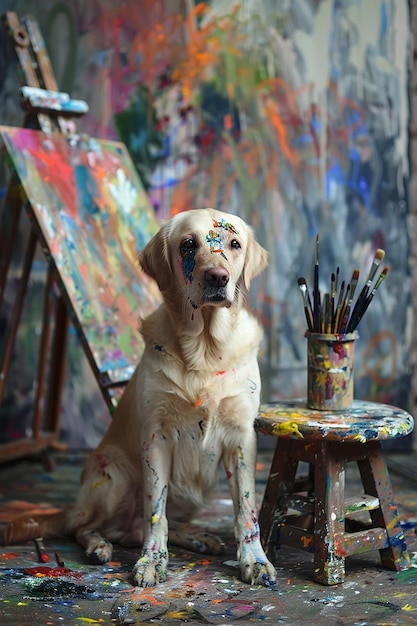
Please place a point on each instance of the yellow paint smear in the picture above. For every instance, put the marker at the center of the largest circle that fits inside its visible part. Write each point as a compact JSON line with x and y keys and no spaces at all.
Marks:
{"x":286,"y":428}
{"x":98,"y":483}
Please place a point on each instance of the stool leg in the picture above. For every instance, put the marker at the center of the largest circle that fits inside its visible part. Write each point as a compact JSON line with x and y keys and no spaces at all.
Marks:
{"x":376,"y":482}
{"x":280,"y":482}
{"x":329,"y":527}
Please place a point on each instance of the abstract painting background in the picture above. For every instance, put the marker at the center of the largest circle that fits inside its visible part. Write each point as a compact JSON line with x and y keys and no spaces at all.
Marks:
{"x":293,"y":114}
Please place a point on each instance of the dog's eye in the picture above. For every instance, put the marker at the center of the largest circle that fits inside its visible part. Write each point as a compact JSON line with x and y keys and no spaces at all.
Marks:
{"x":235,"y":244}
{"x":188,"y":244}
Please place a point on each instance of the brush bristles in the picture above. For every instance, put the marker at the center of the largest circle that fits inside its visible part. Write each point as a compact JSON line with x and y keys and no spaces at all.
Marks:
{"x":379,"y":255}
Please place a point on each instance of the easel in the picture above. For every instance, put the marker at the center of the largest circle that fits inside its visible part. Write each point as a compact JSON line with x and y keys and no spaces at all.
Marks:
{"x":51,"y":112}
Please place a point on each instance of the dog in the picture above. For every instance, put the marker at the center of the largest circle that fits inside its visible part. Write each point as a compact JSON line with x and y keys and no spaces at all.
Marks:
{"x":190,"y":404}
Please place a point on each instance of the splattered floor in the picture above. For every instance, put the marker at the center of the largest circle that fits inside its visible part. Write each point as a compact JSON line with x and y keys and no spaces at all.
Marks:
{"x":200,"y":590}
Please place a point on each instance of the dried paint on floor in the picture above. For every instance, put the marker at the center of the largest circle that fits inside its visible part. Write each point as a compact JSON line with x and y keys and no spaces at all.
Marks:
{"x":200,"y":590}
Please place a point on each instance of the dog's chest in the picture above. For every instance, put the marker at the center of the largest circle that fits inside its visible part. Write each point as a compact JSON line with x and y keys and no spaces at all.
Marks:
{"x":206,"y":388}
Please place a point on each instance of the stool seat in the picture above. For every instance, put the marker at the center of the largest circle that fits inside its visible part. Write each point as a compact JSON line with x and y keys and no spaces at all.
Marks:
{"x":364,"y":421}
{"x":311,"y":512}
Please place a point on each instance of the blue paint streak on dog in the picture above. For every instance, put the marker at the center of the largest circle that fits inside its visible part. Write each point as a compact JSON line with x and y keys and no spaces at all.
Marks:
{"x":188,"y":262}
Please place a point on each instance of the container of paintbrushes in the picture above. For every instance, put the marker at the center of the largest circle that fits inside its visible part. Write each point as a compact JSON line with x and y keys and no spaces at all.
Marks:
{"x":330,"y":370}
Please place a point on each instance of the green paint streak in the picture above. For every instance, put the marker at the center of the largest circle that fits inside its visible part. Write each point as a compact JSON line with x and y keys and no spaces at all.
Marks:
{"x":125,"y":343}
{"x":130,"y":298}
{"x":408,"y":575}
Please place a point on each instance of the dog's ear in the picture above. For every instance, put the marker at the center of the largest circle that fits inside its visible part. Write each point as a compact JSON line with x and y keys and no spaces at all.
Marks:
{"x":255,"y":261}
{"x":155,"y":260}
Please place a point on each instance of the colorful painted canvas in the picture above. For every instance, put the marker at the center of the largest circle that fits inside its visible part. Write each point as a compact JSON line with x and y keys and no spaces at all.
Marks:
{"x":93,"y":217}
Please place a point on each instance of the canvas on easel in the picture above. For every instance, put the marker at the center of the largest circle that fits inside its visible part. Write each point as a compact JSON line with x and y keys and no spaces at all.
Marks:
{"x":93,"y":216}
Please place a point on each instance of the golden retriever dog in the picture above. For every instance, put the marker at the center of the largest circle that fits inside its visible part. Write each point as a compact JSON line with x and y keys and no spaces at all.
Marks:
{"x":190,"y":405}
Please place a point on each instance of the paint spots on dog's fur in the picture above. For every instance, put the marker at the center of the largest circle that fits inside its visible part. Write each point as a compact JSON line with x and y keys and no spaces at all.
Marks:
{"x":187,"y":260}
{"x":215,"y":242}
{"x":225,"y":225}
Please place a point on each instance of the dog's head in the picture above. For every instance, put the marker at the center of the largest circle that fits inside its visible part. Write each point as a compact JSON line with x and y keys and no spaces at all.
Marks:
{"x":204,"y":254}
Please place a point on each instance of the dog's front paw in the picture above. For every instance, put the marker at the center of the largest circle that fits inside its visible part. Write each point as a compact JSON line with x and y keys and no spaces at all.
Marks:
{"x":259,"y":573}
{"x":255,"y":568}
{"x":150,"y":569}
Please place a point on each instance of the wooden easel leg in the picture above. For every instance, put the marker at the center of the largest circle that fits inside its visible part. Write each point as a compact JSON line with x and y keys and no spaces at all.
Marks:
{"x":329,"y":527}
{"x":376,"y":482}
{"x":57,"y":367}
{"x":8,"y":231}
{"x":43,"y":356}
{"x":17,"y":311}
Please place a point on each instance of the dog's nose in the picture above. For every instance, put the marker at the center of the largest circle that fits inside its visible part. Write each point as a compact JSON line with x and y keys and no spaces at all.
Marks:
{"x":217,"y":277}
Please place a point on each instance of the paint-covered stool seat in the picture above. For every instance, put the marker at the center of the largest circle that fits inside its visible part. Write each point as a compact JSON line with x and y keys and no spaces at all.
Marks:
{"x":311,"y":512}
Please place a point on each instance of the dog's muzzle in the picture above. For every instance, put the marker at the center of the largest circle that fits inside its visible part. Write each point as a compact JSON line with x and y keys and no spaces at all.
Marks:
{"x":216,"y":280}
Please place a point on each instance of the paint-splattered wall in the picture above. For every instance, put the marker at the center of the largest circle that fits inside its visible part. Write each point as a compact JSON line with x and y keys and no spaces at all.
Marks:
{"x":292,"y":113}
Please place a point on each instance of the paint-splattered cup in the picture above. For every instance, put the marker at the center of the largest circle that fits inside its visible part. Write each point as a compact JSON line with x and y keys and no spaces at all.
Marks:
{"x":330,"y":370}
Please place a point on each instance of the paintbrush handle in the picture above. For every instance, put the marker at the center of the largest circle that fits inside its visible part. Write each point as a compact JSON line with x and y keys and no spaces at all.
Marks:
{"x":309,"y":318}
{"x":361,"y":313}
{"x":316,"y":300}
{"x":345,"y":320}
{"x":368,"y":300}
{"x":302,"y":284}
{"x":357,"y":309}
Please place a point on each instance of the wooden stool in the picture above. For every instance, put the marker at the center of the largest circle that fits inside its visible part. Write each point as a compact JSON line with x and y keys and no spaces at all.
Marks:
{"x":311,"y":513}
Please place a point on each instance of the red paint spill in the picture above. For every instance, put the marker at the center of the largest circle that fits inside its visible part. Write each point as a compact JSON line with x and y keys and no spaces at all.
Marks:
{"x":8,"y":556}
{"x":51,"y":572}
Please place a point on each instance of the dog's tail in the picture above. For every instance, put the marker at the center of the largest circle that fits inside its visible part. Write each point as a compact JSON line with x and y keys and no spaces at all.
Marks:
{"x":30,"y":527}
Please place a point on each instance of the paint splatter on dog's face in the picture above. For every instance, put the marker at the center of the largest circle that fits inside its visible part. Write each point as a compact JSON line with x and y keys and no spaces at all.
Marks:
{"x":215,"y":242}
{"x":211,"y":256}
{"x":187,"y":254}
{"x":215,"y":238}
{"x":225,"y":225}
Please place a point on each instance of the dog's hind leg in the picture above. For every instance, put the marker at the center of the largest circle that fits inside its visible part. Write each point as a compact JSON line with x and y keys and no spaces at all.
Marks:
{"x":197,"y":540}
{"x":98,"y":549}
{"x":102,"y":504}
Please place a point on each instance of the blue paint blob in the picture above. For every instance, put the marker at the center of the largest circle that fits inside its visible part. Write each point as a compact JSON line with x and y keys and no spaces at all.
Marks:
{"x":188,"y":262}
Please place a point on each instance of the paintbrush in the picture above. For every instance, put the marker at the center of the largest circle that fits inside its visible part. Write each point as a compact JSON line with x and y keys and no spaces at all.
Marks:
{"x":316,"y":293}
{"x":327,"y":314}
{"x":40,"y":548}
{"x":352,"y":288}
{"x":332,"y":298}
{"x":302,"y":283}
{"x":339,"y":307}
{"x":368,"y":300}
{"x":343,"y":310}
{"x":360,"y":302}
